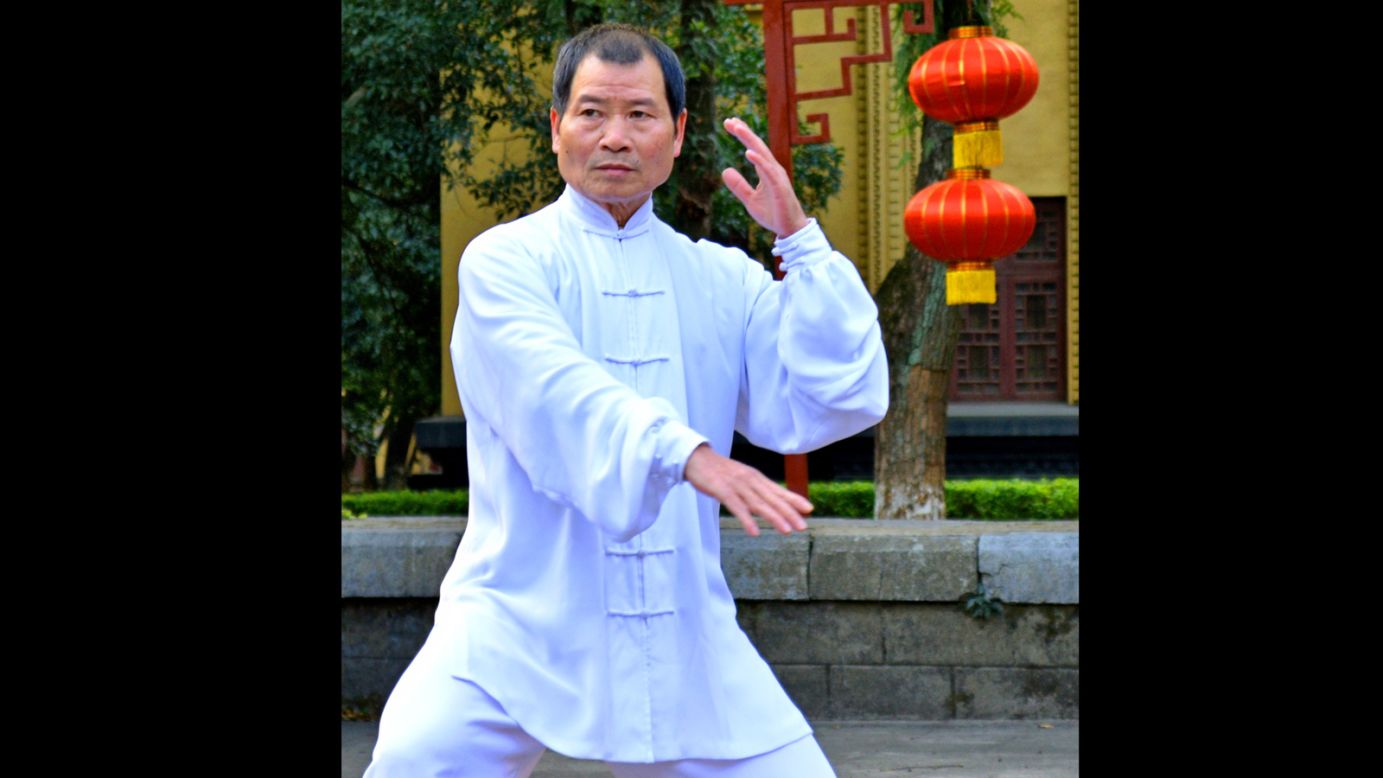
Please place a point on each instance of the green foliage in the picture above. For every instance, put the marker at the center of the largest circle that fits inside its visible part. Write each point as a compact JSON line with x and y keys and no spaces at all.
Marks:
{"x":978,"y":499}
{"x":991,"y":13}
{"x":437,"y":502}
{"x":735,"y":51}
{"x":409,"y":75}
{"x":1014,"y":499}
{"x":424,"y":85}
{"x":980,"y":605}
{"x":845,"y":499}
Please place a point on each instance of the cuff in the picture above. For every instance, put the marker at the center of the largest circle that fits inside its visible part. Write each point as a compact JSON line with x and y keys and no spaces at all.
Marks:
{"x":676,"y":443}
{"x":805,"y":247}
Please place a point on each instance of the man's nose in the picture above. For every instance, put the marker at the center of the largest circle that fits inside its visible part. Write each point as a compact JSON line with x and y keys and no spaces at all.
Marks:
{"x":616,"y":136}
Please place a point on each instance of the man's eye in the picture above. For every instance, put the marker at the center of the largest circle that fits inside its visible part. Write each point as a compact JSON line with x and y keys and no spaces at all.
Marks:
{"x":589,"y":112}
{"x":638,"y":115}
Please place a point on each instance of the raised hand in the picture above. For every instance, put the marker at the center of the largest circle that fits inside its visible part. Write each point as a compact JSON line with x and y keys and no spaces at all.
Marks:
{"x":772,"y":203}
{"x":745,"y":492}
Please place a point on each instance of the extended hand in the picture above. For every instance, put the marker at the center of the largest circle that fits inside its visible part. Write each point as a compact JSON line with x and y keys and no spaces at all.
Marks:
{"x":772,"y":203}
{"x":745,"y":492}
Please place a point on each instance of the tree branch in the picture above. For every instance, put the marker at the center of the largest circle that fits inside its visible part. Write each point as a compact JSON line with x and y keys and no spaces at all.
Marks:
{"x":418,"y":199}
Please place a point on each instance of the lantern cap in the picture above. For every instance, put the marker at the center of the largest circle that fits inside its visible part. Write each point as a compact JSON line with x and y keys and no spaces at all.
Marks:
{"x":970,"y":31}
{"x":967,"y":173}
{"x":979,"y":125}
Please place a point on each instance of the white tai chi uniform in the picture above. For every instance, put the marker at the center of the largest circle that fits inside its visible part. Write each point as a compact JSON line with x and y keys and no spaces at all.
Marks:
{"x":586,"y":603}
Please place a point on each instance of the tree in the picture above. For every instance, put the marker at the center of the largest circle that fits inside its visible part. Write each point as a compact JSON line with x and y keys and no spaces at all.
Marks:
{"x":919,"y":329}
{"x":419,"y":82}
{"x":423,"y":86}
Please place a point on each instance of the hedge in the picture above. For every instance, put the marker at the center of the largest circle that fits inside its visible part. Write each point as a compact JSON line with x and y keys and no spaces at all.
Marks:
{"x":434,"y":502}
{"x":1058,"y":498}
{"x":1014,"y":499}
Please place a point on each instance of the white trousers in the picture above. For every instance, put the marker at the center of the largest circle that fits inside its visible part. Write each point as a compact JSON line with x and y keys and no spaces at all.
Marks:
{"x":437,"y":725}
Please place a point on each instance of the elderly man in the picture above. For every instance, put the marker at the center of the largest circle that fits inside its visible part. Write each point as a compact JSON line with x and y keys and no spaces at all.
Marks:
{"x":604,"y":362}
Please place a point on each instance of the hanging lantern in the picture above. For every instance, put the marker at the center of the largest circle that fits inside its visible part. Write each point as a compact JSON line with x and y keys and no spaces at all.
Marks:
{"x":969,"y":220}
{"x":972,"y":80}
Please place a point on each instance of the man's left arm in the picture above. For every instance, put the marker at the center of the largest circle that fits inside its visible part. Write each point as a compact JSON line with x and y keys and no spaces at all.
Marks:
{"x":815,"y":369}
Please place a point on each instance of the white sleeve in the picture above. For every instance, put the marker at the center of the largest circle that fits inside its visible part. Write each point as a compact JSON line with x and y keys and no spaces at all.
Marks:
{"x":585,"y":440}
{"x":815,"y":370}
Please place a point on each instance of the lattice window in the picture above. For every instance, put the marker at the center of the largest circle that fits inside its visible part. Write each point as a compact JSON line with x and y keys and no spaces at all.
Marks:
{"x":1014,"y":349}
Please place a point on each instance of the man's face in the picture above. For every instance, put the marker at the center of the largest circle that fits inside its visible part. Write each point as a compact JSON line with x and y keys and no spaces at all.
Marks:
{"x":617,"y":139}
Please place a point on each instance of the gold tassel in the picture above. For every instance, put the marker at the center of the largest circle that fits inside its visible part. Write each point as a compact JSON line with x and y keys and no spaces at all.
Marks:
{"x":977,"y":144}
{"x":970,"y":282}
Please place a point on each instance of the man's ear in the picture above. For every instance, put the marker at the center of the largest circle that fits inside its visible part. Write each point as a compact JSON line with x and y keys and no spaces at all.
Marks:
{"x":554,"y":119}
{"x":681,"y":130}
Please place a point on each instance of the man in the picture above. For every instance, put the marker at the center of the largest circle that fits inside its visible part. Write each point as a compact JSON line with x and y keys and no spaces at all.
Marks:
{"x":603,"y":363}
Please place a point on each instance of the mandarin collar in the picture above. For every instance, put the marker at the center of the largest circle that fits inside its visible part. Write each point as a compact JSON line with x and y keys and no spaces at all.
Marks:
{"x":592,"y":217}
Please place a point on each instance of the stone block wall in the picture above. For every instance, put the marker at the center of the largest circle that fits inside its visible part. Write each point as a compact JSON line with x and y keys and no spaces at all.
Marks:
{"x":859,"y":619}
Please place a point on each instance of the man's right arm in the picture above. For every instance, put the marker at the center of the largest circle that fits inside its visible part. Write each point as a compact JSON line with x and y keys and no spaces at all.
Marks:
{"x":584,"y":439}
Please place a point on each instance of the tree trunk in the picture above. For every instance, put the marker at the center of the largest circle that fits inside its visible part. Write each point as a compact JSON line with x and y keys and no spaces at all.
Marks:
{"x":920,"y":332}
{"x":396,"y":460}
{"x":910,"y":443}
{"x":347,"y":461}
{"x":362,"y":476}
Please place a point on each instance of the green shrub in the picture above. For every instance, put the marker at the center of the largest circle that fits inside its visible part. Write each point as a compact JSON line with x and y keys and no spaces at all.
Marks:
{"x":1014,"y":499}
{"x":844,"y":499}
{"x":436,"y":502}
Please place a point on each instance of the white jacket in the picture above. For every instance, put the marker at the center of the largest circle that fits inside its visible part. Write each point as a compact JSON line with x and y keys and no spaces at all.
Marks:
{"x":586,"y":595}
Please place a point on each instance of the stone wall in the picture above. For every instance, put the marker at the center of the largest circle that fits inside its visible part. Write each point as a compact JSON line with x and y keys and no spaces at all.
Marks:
{"x":860,"y":619}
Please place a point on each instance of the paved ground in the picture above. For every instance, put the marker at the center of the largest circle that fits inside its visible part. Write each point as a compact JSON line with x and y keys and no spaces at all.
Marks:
{"x":874,"y":749}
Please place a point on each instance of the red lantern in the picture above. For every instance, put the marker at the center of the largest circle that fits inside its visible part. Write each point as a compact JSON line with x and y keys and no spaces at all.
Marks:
{"x":968,"y":221}
{"x":972,"y":80}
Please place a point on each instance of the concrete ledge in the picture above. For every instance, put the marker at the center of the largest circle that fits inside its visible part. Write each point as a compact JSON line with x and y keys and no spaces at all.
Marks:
{"x":397,"y":557}
{"x":876,"y":566}
{"x":769,"y":567}
{"x":1031,"y":567}
{"x":837,"y":559}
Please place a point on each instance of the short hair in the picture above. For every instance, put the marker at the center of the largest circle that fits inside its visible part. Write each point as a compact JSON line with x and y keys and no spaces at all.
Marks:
{"x":621,"y":44}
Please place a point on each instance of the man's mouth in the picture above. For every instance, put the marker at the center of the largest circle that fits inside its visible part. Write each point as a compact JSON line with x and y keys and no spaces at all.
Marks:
{"x":614,"y":166}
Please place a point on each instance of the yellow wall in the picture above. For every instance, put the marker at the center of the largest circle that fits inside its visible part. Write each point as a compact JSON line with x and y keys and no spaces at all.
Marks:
{"x":1041,"y":141}
{"x":1036,"y":149}
{"x":462,"y":220}
{"x":818,"y":67}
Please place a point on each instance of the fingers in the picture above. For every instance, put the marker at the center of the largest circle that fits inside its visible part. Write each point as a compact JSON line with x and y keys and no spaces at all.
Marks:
{"x":798,"y":501}
{"x":757,"y":152}
{"x":780,"y":507}
{"x":772,"y":202}
{"x":755,"y":495}
{"x":737,"y":127}
{"x":781,"y":511}
{"x":765,"y":166}
{"x":751,"y":527}
{"x":736,"y":183}
{"x":745,"y":492}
